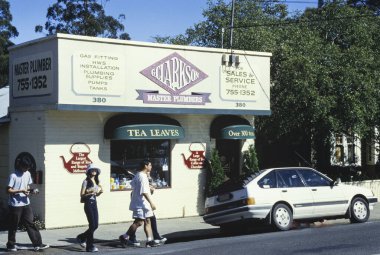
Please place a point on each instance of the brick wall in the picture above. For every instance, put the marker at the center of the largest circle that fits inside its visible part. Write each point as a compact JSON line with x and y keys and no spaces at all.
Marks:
{"x":49,"y":135}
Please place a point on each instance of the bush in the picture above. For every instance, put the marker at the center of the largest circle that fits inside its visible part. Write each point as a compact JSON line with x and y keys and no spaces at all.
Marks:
{"x":40,"y":224}
{"x":215,"y":173}
{"x":250,"y":161}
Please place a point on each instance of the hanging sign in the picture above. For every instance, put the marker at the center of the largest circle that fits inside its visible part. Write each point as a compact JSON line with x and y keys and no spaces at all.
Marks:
{"x":79,"y":161}
{"x":196,"y":158}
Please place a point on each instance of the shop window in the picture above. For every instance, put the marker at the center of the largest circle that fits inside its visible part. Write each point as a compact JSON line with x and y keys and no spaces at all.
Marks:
{"x":126,"y":156}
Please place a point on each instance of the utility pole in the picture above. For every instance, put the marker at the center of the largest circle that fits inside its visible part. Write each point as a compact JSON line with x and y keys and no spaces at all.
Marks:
{"x":232,"y":23}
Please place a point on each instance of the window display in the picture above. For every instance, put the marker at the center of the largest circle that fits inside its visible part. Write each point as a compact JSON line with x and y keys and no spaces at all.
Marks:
{"x":126,"y":156}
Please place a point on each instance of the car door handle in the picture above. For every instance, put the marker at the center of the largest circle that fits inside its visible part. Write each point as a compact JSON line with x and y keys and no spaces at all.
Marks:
{"x":284,"y":190}
{"x":314,"y":189}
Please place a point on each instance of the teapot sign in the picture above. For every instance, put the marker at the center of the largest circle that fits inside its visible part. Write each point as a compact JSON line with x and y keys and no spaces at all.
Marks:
{"x":196,"y":158}
{"x":79,"y":161}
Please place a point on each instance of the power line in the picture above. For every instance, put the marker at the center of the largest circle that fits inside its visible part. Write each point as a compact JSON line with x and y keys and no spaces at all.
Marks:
{"x":284,"y":23}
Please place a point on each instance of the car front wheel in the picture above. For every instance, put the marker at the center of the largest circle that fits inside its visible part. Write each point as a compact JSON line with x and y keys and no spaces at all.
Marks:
{"x":282,"y":217}
{"x":359,"y":210}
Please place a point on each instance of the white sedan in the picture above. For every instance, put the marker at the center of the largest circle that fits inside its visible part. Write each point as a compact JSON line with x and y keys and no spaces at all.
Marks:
{"x":281,"y":195}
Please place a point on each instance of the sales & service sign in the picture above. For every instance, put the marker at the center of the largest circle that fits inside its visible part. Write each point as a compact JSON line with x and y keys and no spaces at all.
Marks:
{"x":238,"y":84}
{"x":175,"y":75}
{"x":32,"y":75}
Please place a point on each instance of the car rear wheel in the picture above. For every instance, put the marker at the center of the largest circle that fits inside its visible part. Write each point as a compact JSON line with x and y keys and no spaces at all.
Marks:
{"x":282,"y":217}
{"x":359,"y":210}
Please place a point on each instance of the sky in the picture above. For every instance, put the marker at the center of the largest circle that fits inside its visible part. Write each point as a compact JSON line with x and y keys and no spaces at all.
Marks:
{"x":144,"y":19}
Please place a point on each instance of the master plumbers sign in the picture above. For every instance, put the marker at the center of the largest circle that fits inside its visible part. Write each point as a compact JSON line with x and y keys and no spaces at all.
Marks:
{"x":125,"y":76}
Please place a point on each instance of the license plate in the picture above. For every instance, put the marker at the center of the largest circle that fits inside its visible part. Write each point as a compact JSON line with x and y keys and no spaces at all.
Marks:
{"x":224,"y":197}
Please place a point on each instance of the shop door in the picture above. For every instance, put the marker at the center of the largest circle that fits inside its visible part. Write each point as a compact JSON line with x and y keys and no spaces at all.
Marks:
{"x":229,"y":152}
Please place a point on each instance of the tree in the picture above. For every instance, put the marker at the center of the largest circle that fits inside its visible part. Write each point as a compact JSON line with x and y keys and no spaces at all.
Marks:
{"x":215,"y":173}
{"x":82,"y":17}
{"x":325,"y":64}
{"x":250,"y":161}
{"x":7,"y":31}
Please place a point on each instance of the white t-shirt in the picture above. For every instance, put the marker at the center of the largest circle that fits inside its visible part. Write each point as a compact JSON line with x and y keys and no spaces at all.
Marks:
{"x":19,"y":180}
{"x":95,"y":188}
{"x":140,"y":185}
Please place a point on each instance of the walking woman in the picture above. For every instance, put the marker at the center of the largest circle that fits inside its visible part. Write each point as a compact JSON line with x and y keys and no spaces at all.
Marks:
{"x":89,"y":191}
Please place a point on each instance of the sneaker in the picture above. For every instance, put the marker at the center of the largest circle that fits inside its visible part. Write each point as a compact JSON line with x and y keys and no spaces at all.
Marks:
{"x":133,"y":243}
{"x":11,"y":248}
{"x":151,"y":244}
{"x":41,"y":247}
{"x":81,"y":242}
{"x":123,"y":241}
{"x":93,"y":249}
{"x":161,"y":240}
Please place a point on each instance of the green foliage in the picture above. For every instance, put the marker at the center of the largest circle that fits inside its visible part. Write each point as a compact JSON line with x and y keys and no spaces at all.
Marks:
{"x":7,"y":31}
{"x":215,"y":172}
{"x":40,"y":224}
{"x":325,"y":68}
{"x":250,"y":161}
{"x":82,"y":17}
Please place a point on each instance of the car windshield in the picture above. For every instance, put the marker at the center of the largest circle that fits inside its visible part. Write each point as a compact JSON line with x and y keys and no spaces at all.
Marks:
{"x":236,"y":184}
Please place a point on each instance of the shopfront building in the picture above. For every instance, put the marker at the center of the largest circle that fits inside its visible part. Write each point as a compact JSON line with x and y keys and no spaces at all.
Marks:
{"x":77,"y":100}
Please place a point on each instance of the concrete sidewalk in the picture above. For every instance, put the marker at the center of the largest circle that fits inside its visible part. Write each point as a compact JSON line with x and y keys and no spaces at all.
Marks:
{"x":176,"y":230}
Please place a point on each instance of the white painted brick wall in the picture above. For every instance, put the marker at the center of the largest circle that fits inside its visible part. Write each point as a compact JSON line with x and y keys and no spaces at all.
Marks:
{"x":26,"y":133}
{"x":50,"y":135}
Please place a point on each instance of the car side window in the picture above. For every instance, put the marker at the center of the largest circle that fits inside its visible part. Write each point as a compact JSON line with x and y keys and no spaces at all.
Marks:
{"x":290,"y":178}
{"x":313,"y":179}
{"x":268,"y":181}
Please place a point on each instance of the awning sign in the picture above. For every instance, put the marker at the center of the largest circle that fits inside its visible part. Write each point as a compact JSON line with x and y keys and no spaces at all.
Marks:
{"x":237,"y":132}
{"x":148,"y":131}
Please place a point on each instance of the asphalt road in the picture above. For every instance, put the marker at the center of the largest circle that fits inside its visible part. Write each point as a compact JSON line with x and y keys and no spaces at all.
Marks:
{"x":347,"y":239}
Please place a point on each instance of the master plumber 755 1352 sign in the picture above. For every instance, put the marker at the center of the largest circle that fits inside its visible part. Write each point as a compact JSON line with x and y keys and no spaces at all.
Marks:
{"x":32,"y":75}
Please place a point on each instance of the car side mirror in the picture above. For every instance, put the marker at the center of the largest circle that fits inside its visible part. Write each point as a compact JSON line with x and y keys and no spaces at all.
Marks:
{"x":337,"y":181}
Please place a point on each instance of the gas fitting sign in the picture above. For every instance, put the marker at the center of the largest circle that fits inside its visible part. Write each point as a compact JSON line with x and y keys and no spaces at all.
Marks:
{"x":32,"y":75}
{"x":98,"y":74}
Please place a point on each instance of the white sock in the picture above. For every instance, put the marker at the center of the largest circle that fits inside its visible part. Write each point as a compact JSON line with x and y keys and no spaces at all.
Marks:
{"x":149,"y":239}
{"x":125,"y":236}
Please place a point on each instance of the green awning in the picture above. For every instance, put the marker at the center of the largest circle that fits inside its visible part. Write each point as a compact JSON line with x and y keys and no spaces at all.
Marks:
{"x":231,"y":127}
{"x":135,"y":126}
{"x":237,"y":132}
{"x":148,"y":131}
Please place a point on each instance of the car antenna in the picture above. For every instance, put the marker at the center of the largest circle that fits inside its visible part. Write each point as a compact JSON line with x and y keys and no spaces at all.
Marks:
{"x":303,"y":159}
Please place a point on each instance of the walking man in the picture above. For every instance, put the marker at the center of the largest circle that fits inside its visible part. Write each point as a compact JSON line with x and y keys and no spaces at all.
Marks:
{"x":19,"y":205}
{"x":141,"y":205}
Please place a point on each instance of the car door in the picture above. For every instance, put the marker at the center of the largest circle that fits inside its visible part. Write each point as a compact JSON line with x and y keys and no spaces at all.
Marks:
{"x":328,"y":199}
{"x":295,"y":193}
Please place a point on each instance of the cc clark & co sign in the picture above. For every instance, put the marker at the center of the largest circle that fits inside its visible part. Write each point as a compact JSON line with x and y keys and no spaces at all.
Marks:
{"x":174,"y":74}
